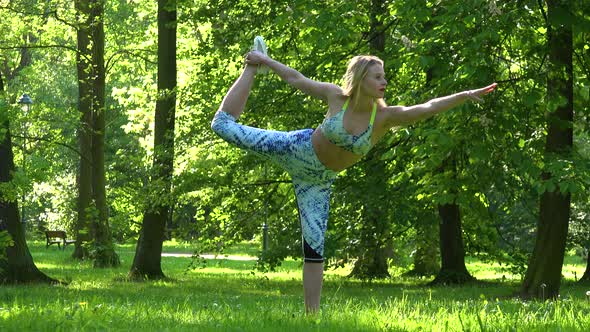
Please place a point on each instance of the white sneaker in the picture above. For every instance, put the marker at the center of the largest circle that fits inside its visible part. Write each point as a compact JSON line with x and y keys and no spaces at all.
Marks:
{"x":260,"y":46}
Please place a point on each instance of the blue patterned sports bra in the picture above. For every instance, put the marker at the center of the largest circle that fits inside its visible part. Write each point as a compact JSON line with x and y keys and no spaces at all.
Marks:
{"x":333,"y":129}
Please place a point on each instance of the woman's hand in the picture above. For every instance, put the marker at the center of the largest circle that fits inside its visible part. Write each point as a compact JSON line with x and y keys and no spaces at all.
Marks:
{"x":476,"y":94}
{"x":255,"y":58}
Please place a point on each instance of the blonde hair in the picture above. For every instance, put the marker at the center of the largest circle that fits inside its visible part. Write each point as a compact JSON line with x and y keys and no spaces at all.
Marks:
{"x":357,"y":70}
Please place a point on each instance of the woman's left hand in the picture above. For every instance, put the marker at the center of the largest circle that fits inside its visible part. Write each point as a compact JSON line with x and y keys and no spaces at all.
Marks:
{"x":476,"y":94}
{"x":255,"y":58}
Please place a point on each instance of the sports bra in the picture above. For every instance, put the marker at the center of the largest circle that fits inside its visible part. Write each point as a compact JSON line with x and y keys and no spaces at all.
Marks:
{"x":333,"y":129}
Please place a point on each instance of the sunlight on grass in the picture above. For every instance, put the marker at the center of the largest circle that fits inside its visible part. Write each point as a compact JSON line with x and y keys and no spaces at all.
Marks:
{"x":229,"y":295}
{"x":573,"y":267}
{"x":489,"y":270}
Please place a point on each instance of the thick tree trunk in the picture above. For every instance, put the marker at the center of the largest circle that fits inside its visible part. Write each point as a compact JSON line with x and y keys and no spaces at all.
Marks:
{"x":18,"y":267}
{"x":105,"y":255}
{"x":447,"y":267}
{"x":372,"y":263}
{"x":91,"y":77}
{"x":452,"y":267}
{"x":453,"y":270}
{"x":374,"y":238}
{"x":586,"y":276}
{"x":147,"y":261}
{"x":426,"y":257}
{"x":85,"y":102}
{"x":543,"y":275}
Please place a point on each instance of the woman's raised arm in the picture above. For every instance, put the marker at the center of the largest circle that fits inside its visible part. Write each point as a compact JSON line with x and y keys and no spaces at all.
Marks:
{"x":321,"y":90}
{"x":404,"y":115}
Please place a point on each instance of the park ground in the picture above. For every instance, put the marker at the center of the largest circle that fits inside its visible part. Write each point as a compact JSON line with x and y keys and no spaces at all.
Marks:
{"x":226,"y":293}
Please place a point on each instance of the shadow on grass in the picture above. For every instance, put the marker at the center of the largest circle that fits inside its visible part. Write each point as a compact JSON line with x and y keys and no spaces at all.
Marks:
{"x":229,"y":295}
{"x":229,"y":277}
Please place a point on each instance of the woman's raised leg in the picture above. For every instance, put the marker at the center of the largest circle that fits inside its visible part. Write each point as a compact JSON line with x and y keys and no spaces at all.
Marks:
{"x":234,"y":101}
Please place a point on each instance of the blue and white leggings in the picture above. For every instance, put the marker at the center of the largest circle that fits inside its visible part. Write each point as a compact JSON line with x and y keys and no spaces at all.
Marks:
{"x":293,"y":151}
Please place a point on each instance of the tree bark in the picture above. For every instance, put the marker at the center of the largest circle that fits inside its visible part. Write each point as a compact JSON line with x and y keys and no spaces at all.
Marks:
{"x":18,"y":266}
{"x":372,"y":263}
{"x":426,"y":257}
{"x":452,"y":267}
{"x":85,"y":102}
{"x":543,"y":275}
{"x":105,"y":255}
{"x":91,"y":14}
{"x":586,"y":276}
{"x":147,"y":260}
{"x":375,"y":241}
{"x":453,"y":270}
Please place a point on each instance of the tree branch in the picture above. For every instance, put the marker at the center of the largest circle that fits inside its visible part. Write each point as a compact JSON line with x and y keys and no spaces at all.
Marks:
{"x":136,"y":54}
{"x":69,"y":48}
{"x":49,"y":140}
{"x":52,"y":13}
{"x":582,"y":63}
{"x":265,"y":183}
{"x":539,"y":2}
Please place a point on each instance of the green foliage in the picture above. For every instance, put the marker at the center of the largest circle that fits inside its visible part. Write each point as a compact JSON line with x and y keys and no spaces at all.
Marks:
{"x":222,"y":195}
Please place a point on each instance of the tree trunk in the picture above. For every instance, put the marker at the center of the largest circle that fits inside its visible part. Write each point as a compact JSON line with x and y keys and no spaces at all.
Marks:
{"x":586,"y":276}
{"x":85,"y":102}
{"x":375,"y":242}
{"x":453,"y":270}
{"x":91,"y":77}
{"x":18,"y":265}
{"x":105,"y":255}
{"x":426,"y":257}
{"x":372,"y":263}
{"x":451,"y":267}
{"x":543,"y":275}
{"x":147,"y":261}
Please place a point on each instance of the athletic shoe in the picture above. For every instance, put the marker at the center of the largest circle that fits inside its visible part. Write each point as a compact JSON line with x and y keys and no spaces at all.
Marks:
{"x":260,"y":46}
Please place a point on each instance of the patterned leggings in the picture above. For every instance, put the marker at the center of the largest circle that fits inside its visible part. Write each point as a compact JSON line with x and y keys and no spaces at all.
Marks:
{"x":294,"y":152}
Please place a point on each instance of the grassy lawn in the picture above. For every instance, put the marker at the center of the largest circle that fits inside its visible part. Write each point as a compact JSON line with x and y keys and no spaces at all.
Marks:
{"x":227,"y":295}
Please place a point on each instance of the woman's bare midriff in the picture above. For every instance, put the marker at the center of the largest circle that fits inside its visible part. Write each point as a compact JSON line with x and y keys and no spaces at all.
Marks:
{"x":332,"y":156}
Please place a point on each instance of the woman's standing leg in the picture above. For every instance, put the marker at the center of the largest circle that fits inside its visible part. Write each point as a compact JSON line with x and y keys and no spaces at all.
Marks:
{"x":234,"y":101}
{"x":313,"y":202}
{"x":312,"y":183}
{"x":313,"y":275}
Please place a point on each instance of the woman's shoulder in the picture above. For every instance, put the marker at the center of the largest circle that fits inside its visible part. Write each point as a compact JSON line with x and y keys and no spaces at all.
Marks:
{"x":389,"y":115}
{"x":336,"y":102}
{"x":334,"y":92}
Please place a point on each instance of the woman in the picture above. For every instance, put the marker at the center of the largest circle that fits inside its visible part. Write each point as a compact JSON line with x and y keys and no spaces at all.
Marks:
{"x":357,"y":118}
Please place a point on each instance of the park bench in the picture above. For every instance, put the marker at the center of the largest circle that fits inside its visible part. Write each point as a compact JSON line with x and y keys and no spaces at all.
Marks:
{"x":57,"y":237}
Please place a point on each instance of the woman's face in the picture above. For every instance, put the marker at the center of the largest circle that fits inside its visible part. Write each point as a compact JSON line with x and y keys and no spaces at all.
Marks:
{"x":374,"y":83}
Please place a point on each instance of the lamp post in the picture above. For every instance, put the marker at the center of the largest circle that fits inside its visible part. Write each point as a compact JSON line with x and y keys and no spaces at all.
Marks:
{"x":25,"y":101}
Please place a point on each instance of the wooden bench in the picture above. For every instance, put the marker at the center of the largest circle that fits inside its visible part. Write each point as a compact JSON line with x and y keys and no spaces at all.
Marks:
{"x":57,"y":237}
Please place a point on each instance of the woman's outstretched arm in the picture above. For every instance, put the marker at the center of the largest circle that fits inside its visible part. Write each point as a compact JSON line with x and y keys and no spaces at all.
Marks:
{"x":404,"y":115}
{"x":294,"y":78}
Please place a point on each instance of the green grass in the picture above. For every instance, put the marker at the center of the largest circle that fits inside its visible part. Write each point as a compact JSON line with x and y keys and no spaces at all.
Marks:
{"x":226,"y":295}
